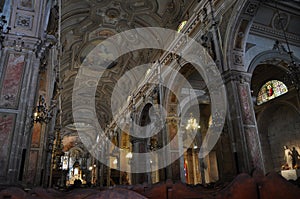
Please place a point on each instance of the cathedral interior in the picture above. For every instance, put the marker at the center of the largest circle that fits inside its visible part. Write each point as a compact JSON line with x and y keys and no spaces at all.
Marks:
{"x":190,"y":97}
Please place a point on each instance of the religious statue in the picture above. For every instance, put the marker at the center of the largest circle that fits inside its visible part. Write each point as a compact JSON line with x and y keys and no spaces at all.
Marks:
{"x":287,"y":158}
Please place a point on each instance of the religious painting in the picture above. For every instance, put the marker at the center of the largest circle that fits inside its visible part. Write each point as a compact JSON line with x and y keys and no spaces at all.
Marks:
{"x":181,"y":26}
{"x":12,"y":81}
{"x":26,"y":4}
{"x":7,"y":123}
{"x":271,"y":90}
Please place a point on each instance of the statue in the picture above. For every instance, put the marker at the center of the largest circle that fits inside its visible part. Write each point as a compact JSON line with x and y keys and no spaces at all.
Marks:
{"x":287,"y":158}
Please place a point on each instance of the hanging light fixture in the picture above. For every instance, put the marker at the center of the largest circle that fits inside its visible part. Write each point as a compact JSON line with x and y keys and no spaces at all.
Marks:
{"x":3,"y":29}
{"x":41,"y":113}
{"x":293,"y":74}
{"x":192,"y":123}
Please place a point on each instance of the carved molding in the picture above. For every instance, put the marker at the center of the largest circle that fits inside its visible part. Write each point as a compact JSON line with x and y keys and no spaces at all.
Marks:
{"x":24,"y":21}
{"x":274,"y":34}
{"x":237,"y":76}
{"x":251,"y":8}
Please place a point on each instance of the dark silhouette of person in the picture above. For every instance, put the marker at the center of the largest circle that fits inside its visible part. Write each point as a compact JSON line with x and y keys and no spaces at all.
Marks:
{"x":295,"y":155}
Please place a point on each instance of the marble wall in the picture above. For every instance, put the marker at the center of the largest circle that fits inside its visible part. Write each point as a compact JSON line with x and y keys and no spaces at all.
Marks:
{"x":12,"y":80}
{"x":7,"y":123}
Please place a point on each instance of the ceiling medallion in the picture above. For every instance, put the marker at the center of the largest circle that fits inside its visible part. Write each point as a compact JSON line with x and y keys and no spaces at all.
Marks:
{"x":112,"y":13}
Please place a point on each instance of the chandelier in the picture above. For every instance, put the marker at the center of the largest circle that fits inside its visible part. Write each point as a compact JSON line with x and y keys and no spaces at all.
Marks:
{"x":192,"y":124}
{"x":41,"y":113}
{"x":3,"y":29}
{"x":293,"y":74}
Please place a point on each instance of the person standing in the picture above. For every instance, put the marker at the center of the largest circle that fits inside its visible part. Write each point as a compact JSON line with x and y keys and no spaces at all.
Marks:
{"x":295,"y":156}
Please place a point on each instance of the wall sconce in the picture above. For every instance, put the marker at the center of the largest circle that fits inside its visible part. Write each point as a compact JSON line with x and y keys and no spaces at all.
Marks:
{"x":129,"y":157}
{"x":115,"y":162}
{"x":3,"y":29}
{"x":41,"y":113}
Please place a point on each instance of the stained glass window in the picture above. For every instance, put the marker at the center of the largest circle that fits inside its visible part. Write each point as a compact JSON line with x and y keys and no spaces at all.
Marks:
{"x":181,"y":25}
{"x":271,"y":90}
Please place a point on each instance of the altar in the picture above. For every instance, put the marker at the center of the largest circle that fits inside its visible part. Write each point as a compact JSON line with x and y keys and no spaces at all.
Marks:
{"x":291,"y":174}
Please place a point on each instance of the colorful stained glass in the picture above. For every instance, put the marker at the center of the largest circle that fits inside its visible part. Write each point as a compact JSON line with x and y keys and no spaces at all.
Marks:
{"x":181,"y":25}
{"x":271,"y":90}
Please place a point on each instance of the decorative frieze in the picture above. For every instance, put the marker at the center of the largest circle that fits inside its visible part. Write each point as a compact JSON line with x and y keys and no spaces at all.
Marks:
{"x":274,"y":33}
{"x":236,"y":76}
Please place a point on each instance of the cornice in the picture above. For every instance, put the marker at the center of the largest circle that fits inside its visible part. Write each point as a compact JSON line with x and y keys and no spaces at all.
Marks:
{"x":268,"y":32}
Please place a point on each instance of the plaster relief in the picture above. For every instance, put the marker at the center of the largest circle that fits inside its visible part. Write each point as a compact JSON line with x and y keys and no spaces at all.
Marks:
{"x":139,"y":5}
{"x":251,"y":9}
{"x":24,"y":21}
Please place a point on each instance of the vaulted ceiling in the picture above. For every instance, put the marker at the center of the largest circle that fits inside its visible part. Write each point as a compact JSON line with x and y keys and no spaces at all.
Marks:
{"x":86,"y":23}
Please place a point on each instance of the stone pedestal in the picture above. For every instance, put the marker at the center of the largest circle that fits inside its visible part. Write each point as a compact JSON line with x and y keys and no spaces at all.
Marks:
{"x":292,"y":174}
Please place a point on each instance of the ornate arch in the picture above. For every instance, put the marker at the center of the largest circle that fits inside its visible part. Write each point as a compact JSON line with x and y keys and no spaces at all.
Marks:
{"x":237,"y":33}
{"x":270,"y":56}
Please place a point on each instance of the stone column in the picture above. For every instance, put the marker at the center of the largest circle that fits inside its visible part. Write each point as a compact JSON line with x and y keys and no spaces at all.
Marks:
{"x":19,"y":67}
{"x":242,"y":122}
{"x":173,"y":170}
{"x":138,"y":146}
{"x":181,"y":159}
